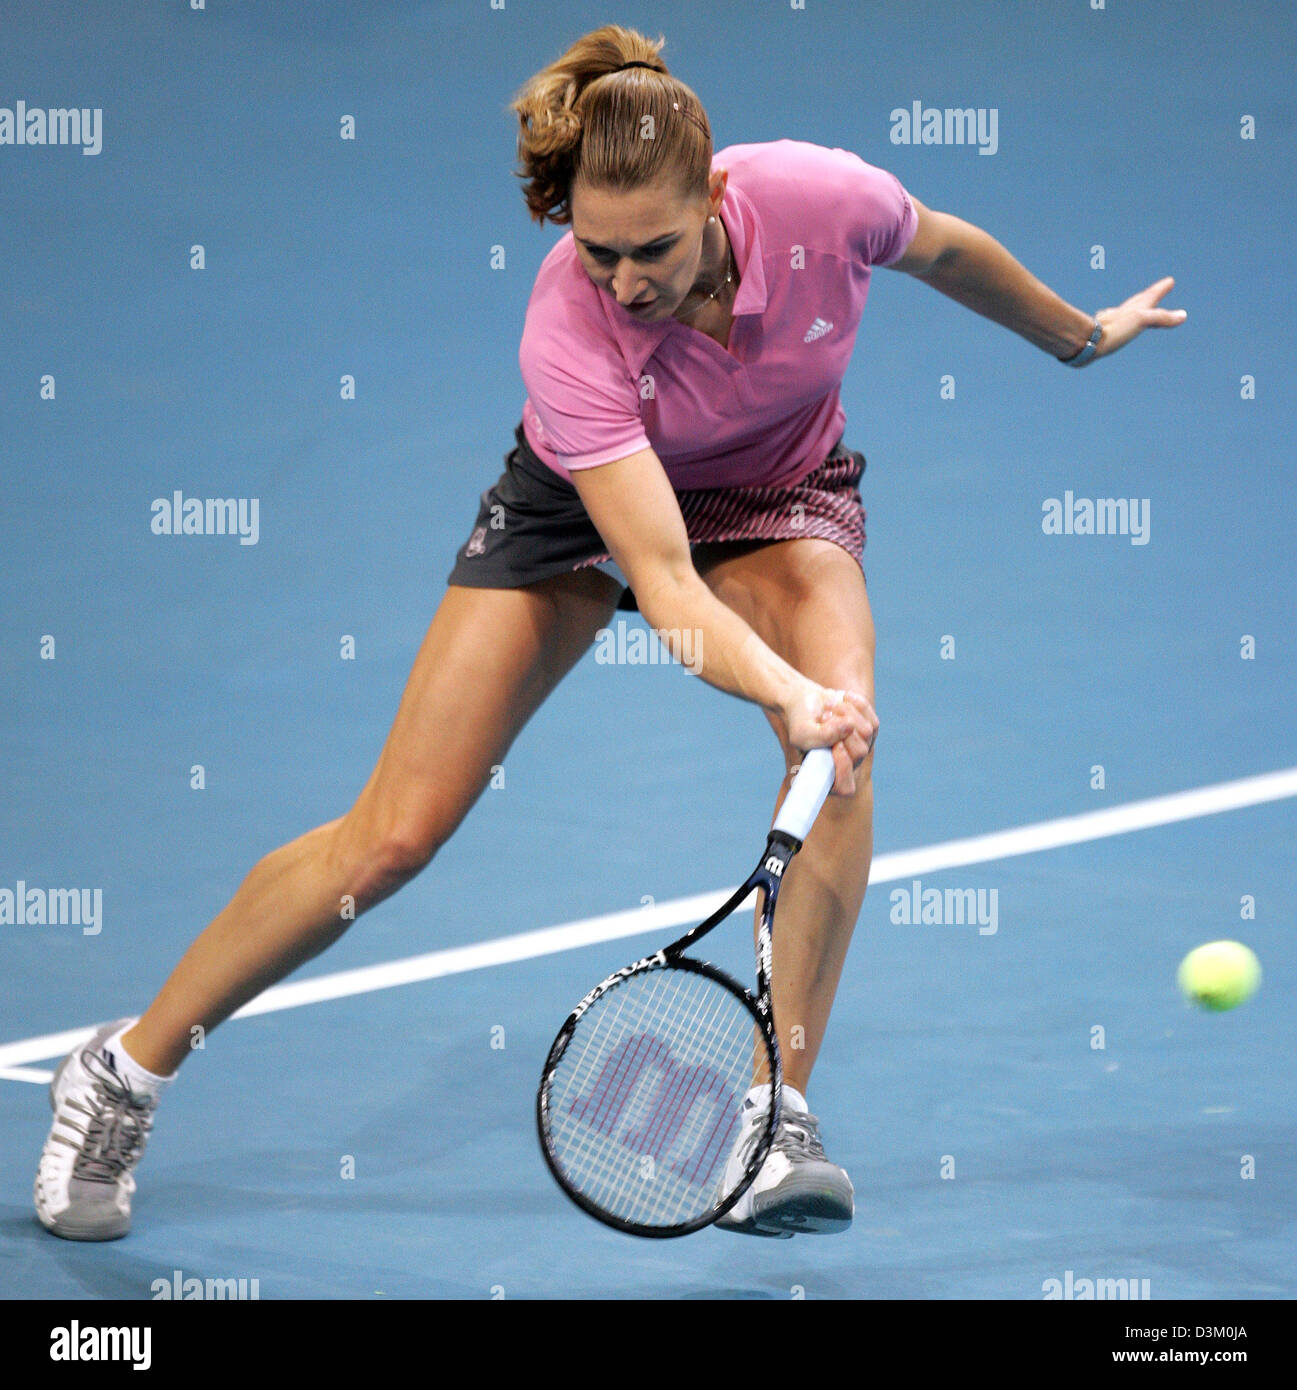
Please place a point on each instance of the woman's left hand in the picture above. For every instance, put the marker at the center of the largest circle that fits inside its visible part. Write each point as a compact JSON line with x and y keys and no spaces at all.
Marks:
{"x":1139,"y":312}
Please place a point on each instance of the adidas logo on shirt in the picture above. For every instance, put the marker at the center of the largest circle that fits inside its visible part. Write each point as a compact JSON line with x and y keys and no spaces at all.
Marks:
{"x":817,"y":330}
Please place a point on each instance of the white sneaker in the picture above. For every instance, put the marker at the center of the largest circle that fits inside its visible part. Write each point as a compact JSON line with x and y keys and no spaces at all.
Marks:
{"x":797,"y":1190}
{"x":84,"y":1182}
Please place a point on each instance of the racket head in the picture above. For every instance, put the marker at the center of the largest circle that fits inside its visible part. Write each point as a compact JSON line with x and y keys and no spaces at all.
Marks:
{"x":639,"y":1104}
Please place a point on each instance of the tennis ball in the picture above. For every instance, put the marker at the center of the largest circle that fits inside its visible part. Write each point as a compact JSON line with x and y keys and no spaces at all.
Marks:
{"x":1219,"y":975}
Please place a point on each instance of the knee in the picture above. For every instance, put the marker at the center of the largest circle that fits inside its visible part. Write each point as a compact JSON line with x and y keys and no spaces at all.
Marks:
{"x":854,"y":673}
{"x":373,"y":861}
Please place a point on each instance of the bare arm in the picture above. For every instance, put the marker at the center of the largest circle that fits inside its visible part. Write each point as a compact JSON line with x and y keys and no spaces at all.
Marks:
{"x":634,"y":508}
{"x":970,"y":266}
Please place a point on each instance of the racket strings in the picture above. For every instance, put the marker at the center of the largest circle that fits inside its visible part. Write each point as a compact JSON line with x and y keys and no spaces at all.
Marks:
{"x":644,"y":1105}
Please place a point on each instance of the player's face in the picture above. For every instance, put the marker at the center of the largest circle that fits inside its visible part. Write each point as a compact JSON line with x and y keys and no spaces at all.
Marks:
{"x":644,"y":246}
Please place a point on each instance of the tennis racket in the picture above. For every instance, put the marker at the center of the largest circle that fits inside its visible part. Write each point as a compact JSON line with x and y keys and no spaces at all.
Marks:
{"x":640,"y":1099}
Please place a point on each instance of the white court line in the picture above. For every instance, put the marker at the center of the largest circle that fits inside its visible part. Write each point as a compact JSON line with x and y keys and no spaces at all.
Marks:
{"x":637,"y":921}
{"x":41,"y":1078}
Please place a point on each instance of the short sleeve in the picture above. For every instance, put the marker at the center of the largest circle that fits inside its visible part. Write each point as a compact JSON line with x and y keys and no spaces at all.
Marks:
{"x":883,"y":215}
{"x":582,"y":394}
{"x":896,"y":223}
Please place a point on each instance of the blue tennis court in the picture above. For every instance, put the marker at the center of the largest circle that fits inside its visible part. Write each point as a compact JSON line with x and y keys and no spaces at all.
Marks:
{"x":1013,"y":1081}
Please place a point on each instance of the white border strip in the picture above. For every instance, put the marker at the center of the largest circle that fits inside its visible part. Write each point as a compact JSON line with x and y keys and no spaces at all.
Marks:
{"x":662,"y":917}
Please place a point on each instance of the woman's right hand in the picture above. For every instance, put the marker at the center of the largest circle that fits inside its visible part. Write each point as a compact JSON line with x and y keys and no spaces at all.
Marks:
{"x":842,"y":720}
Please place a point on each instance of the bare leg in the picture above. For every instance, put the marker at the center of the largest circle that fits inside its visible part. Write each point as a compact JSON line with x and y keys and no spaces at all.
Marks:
{"x":807,"y":601}
{"x":490,"y":657}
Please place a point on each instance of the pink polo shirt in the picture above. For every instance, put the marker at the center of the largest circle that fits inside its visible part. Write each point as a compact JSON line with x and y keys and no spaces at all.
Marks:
{"x":806,"y":224}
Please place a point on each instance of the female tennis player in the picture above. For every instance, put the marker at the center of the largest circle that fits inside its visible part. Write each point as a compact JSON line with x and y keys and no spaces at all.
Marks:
{"x":681,"y":448}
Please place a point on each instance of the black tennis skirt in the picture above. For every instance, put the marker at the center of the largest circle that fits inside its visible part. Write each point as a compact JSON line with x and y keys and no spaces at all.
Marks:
{"x":531,"y":523}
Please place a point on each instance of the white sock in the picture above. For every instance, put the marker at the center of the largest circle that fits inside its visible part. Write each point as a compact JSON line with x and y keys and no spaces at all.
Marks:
{"x":793,"y":1101}
{"x":138,"y":1078}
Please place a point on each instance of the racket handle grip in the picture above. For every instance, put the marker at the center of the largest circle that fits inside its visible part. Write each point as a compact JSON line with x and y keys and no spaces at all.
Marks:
{"x":808,"y":793}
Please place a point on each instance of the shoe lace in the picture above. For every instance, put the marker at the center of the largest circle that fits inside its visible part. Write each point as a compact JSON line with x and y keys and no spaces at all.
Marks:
{"x":754,"y":1122}
{"x":798,"y":1136}
{"x":116,"y":1124}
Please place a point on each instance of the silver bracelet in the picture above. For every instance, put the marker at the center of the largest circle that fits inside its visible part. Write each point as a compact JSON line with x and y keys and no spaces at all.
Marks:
{"x":1079,"y":359}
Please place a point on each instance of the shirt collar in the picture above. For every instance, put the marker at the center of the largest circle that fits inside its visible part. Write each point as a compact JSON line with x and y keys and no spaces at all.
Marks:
{"x":638,"y":340}
{"x":743,"y":228}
